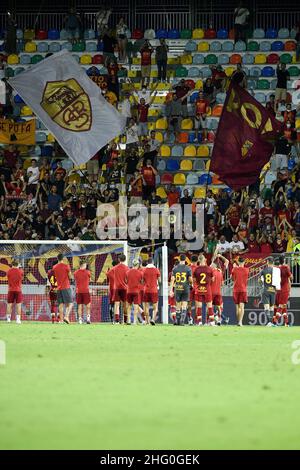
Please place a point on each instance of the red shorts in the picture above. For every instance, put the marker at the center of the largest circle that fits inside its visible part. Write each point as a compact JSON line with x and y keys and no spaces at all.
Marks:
{"x":83,"y":299}
{"x":151,"y":297}
{"x":217,"y":300}
{"x":133,"y":298}
{"x":142,"y":294}
{"x":14,"y":296}
{"x":203,"y":297}
{"x":282,"y":297}
{"x":240,"y":297}
{"x":119,"y":295}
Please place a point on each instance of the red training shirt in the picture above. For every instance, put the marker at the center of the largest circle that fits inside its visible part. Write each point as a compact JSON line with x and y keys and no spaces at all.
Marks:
{"x":120,"y":274}
{"x":61,"y":272}
{"x":240,"y":276}
{"x":285,"y":274}
{"x":14,"y":279}
{"x":134,"y":279}
{"x":151,"y":276}
{"x":82,"y":278}
{"x":217,"y":282}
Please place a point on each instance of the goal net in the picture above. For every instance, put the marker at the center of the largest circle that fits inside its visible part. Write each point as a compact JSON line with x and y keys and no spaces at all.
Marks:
{"x":37,"y":258}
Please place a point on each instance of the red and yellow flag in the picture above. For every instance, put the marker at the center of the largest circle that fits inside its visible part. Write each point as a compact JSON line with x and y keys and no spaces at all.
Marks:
{"x":244,"y":140}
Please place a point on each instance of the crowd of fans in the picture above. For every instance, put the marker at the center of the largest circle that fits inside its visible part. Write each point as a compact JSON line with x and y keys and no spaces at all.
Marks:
{"x":45,"y":198}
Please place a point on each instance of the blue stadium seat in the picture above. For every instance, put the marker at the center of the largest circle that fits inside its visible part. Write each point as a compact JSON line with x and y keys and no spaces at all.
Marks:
{"x":255,"y":72}
{"x":177,"y":151}
{"x":223,"y":59}
{"x":227,"y":46}
{"x":283,"y":33}
{"x":18,"y":99}
{"x":53,"y":34}
{"x":89,"y":34}
{"x":192,"y":137}
{"x":162,"y":34}
{"x":265,"y":46}
{"x":172,"y":165}
{"x":248,"y":59}
{"x":67,"y":46}
{"x":42,"y":47}
{"x":19,"y":33}
{"x":54,"y":47}
{"x":240,"y":46}
{"x":277,"y":46}
{"x":47,"y":151}
{"x":205,"y":179}
{"x":173,"y":34}
{"x":198,"y":59}
{"x":100,"y":46}
{"x":191,"y":46}
{"x":25,"y":59}
{"x":91,"y":47}
{"x":161,"y":165}
{"x":192,"y":179}
{"x":271,"y":33}
{"x":205,"y":72}
{"x":258,"y":33}
{"x":40,"y":137}
{"x":261,"y":97}
{"x":215,"y":46}
{"x":220,"y":98}
{"x":194,"y":72}
{"x":267,"y":71}
{"x":19,"y":70}
{"x":222,"y":33}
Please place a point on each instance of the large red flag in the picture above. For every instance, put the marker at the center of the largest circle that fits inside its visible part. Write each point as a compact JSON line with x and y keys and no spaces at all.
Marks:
{"x":243,"y":143}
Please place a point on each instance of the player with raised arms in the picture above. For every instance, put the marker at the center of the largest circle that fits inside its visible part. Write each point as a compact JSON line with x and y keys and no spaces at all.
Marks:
{"x":51,"y":290}
{"x":181,"y":281}
{"x":83,"y":297}
{"x":269,"y":290}
{"x":203,"y":277}
{"x":134,"y":281}
{"x":151,"y":278}
{"x":14,"y":296}
{"x":120,"y":289}
{"x":63,"y":275}
{"x":216,"y":286}
{"x":240,"y":275}
{"x":282,"y":296}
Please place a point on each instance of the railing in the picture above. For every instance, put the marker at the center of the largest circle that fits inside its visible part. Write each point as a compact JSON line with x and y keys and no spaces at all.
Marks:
{"x":254,"y":288}
{"x":135,"y":18}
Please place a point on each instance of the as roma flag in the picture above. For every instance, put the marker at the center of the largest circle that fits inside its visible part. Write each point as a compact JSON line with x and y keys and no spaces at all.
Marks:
{"x":245,"y":139}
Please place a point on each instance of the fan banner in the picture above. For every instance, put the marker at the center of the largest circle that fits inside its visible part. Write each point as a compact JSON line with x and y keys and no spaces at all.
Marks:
{"x":70,"y":105}
{"x":17,"y":133}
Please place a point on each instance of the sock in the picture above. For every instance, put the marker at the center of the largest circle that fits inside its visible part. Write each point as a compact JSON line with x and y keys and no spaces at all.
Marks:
{"x":285,"y":316}
{"x":210,"y":315}
{"x":178,"y":316}
{"x":277,"y":315}
{"x":18,"y":317}
{"x":189,"y":313}
{"x":8,"y":317}
{"x":269,"y":318}
{"x":183,"y":315}
{"x":117,"y":317}
{"x":125,"y":317}
{"x":88,"y":317}
{"x":199,"y":315}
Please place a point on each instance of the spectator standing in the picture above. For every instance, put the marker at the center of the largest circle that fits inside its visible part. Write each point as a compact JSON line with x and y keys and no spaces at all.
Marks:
{"x":161,"y":56}
{"x":73,"y":25}
{"x":148,"y":173}
{"x":239,"y":77}
{"x":109,"y":44}
{"x":146,"y":52}
{"x":143,"y":109}
{"x":181,"y":92}
{"x":283,"y":76}
{"x":270,"y":105}
{"x":201,"y":110}
{"x":297,"y":39}
{"x":121,"y":30}
{"x":241,"y":18}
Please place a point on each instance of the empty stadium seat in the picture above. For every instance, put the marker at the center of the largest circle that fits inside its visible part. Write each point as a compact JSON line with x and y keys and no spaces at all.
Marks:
{"x":260,"y":59}
{"x":205,"y":179}
{"x":199,"y":165}
{"x":192,"y":179}
{"x":78,"y":46}
{"x":97,"y":59}
{"x":193,"y":72}
{"x":161,"y":192}
{"x":67,"y":46}
{"x":25,"y":59}
{"x":179,"y":179}
{"x":137,"y":34}
{"x":286,"y":58}
{"x":91,"y":47}
{"x":12,"y":59}
{"x":277,"y":46}
{"x":273,"y":58}
{"x":198,"y":59}
{"x":161,"y":124}
{"x":19,"y":33}
{"x":227,"y":46}
{"x":36,"y":58}
{"x":186,"y":165}
{"x":53,"y":34}
{"x":167,"y":178}
{"x":261,"y":97}
{"x":223,"y":59}
{"x":181,"y":72}
{"x":283,"y":33}
{"x":89,"y":34}
{"x":211,"y":59}
{"x":172,"y":165}
{"x":63,"y":36}
{"x":42,"y":47}
{"x":185,"y":34}
{"x":217,"y":110}
{"x":177,"y":151}
{"x":210,"y":33}
{"x":235,"y":59}
{"x":198,"y":33}
{"x":183,"y":137}
{"x":294,"y":71}
{"x":263,"y":84}
{"x":161,"y":165}
{"x":26,"y":111}
{"x":40,"y":137}
{"x":203,"y":151}
{"x":222,"y":33}
{"x":271,"y":33}
{"x":258,"y":33}
{"x":19,"y":70}
{"x":248,"y":59}
{"x":220,"y":98}
{"x":267,"y":71}
{"x":86,"y":59}
{"x":216,"y":46}
{"x":186,"y":59}
{"x":165,"y":151}
{"x":265,"y":46}
{"x":54,"y":47}
{"x":191,"y":46}
{"x":206,"y":72}
{"x":199,"y":193}
{"x":203,"y":46}
{"x":289,"y":46}
{"x":29,"y":34}
{"x":252,"y":46}
{"x":30,"y":46}
{"x":190,"y":151}
{"x":240,"y":46}
{"x":161,"y":34}
{"x":173,"y":34}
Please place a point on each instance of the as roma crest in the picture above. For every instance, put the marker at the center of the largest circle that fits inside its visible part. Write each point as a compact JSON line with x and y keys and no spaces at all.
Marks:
{"x":68,"y":105}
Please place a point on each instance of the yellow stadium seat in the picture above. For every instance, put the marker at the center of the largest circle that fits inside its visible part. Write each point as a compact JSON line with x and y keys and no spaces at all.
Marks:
{"x":199,"y":85}
{"x":154,"y":73}
{"x":151,"y":126}
{"x":203,"y":151}
{"x":136,"y":60}
{"x":50,"y":138}
{"x":199,"y":193}
{"x":86,"y":59}
{"x":186,"y":59}
{"x":165,"y":151}
{"x":30,"y":47}
{"x":186,"y":165}
{"x":207,"y":165}
{"x":187,"y":124}
{"x":159,"y":99}
{"x":132,"y":74}
{"x":173,"y":60}
{"x":153,"y":112}
{"x":260,"y":59}
{"x":198,"y":33}
{"x":137,"y":85}
{"x":190,"y":151}
{"x":29,"y":34}
{"x":161,"y":193}
{"x":229,"y":71}
{"x":159,"y":136}
{"x":179,"y":179}
{"x":12,"y":59}
{"x":203,"y":46}
{"x":161,"y":124}
{"x":26,"y":111}
{"x":298,"y":123}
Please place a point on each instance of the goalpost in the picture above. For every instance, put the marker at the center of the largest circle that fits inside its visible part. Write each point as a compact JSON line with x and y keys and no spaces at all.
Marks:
{"x":37,"y":257}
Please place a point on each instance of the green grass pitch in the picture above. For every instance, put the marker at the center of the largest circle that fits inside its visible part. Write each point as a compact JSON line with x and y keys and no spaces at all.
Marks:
{"x":137,"y":387}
